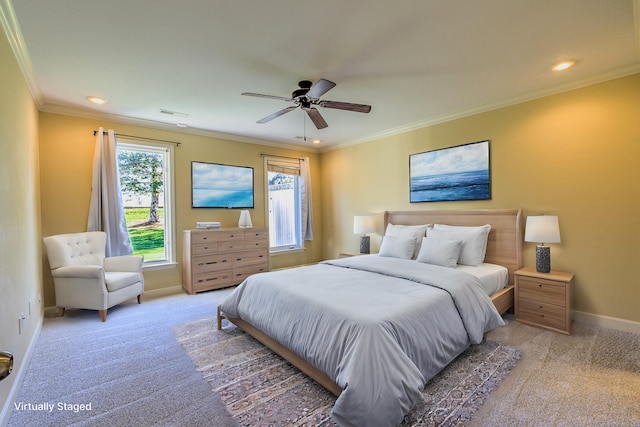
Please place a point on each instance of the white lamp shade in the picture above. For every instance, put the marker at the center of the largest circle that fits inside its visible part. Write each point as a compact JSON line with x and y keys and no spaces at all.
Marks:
{"x":364,"y":224}
{"x":542,"y":229}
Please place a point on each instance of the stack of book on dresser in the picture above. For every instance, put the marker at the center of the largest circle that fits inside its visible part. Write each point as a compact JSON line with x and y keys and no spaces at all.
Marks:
{"x":208,"y":225}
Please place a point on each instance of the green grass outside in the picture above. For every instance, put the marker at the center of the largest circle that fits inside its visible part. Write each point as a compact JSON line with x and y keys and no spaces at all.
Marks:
{"x":147,"y":240}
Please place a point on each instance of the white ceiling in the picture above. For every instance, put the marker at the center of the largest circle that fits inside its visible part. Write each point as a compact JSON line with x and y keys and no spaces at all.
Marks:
{"x":415,"y":62}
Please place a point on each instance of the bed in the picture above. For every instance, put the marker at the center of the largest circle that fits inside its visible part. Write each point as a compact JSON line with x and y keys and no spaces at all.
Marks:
{"x":373,"y":329}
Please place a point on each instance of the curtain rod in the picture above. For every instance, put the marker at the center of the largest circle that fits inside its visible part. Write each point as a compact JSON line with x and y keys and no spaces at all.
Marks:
{"x":281,"y":157}
{"x":144,"y":138}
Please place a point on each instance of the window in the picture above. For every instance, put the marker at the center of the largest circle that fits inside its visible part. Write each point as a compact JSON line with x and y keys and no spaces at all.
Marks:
{"x":146,"y":183}
{"x":285,"y":225}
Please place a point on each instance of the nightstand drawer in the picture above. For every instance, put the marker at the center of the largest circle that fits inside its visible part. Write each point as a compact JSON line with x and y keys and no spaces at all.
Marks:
{"x":544,"y":291}
{"x":542,"y":314}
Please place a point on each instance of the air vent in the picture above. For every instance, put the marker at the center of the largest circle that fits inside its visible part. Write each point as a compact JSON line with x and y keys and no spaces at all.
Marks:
{"x":174,"y":113}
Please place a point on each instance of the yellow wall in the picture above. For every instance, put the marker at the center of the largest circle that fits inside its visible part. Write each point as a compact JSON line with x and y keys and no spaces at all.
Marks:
{"x":574,"y":155}
{"x":66,"y":158}
{"x":20,"y":241}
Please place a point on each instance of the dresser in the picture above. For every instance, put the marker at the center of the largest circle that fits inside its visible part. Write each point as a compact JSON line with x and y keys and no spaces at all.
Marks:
{"x":223,"y":257}
{"x":543,"y":299}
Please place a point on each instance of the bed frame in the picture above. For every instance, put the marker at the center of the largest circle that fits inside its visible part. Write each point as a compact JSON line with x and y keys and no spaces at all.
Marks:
{"x":504,"y":247}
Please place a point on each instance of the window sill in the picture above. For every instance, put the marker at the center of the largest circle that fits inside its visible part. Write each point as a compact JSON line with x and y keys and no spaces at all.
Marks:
{"x":159,"y":266}
{"x":285,"y":251}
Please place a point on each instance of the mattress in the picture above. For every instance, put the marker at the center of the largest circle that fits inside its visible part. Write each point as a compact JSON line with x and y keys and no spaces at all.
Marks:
{"x":492,"y":277}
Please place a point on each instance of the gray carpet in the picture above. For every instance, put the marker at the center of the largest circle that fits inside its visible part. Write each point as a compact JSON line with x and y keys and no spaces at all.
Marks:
{"x":134,"y":372}
{"x":130,"y":370}
{"x":590,"y":378}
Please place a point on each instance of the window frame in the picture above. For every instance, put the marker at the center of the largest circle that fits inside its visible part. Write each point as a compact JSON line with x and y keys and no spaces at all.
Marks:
{"x":299,"y":246}
{"x":167,"y":151}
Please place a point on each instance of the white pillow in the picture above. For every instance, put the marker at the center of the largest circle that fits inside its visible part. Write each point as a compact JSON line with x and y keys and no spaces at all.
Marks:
{"x":415,"y":231}
{"x":397,"y":247}
{"x":474,"y":241}
{"x":440,"y":252}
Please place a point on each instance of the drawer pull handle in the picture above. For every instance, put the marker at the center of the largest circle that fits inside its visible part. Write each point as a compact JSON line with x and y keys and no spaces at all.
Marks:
{"x":540,"y":285}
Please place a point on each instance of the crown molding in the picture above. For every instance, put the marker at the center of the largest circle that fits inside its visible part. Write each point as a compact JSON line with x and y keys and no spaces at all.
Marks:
{"x":11,"y":27}
{"x":600,"y":78}
{"x":96,"y":115}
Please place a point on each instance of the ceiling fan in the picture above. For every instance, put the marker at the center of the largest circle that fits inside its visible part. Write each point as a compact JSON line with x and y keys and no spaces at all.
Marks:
{"x":306,"y":97}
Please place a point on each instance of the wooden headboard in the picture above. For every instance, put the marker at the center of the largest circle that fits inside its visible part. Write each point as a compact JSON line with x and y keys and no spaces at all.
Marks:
{"x":504,"y":246}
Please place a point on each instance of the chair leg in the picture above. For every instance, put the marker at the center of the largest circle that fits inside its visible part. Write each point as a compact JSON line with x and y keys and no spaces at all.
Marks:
{"x":60,"y":311}
{"x":139,"y":298}
{"x":103,"y":315}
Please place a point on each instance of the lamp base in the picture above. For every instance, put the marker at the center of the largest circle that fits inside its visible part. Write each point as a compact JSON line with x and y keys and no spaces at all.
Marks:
{"x":365,"y":244}
{"x":543,"y":259}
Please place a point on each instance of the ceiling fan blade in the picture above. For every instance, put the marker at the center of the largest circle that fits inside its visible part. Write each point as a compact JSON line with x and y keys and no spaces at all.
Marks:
{"x":321,"y":87}
{"x":259,"y":95}
{"x":277,"y":114}
{"x":316,"y":118}
{"x":358,"y":108}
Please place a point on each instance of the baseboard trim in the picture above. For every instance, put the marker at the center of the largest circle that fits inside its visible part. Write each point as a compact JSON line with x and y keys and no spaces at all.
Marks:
{"x":607,"y":322}
{"x":19,"y":376}
{"x":162,"y":292}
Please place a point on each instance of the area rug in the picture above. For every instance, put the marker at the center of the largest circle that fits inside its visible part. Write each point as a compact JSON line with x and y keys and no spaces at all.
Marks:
{"x":258,"y":387}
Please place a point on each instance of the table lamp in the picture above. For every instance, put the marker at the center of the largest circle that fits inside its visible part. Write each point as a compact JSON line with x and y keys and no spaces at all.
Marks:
{"x":363,"y":225}
{"x":542,"y":229}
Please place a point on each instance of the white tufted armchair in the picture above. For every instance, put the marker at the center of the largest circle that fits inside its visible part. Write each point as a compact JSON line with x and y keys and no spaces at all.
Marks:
{"x":85,"y":278}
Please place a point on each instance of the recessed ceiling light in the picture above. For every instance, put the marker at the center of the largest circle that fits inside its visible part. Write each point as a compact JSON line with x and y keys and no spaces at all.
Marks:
{"x":316,"y":141}
{"x":97,"y":100}
{"x":561,"y":66}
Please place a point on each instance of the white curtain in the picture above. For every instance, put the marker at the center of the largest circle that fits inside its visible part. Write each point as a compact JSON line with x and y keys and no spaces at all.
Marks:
{"x":305,"y":199}
{"x":106,"y":212}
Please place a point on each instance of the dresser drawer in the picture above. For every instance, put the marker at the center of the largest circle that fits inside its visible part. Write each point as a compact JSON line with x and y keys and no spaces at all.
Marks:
{"x":542,"y":314}
{"x":241,"y":259}
{"x":242,"y":272}
{"x":212,"y":280}
{"x":230,"y":235}
{"x":262,"y":234}
{"x":256,"y":242}
{"x":203,"y":237}
{"x":201,"y":249}
{"x":230,"y":245}
{"x":210,"y":263}
{"x":542,"y":290}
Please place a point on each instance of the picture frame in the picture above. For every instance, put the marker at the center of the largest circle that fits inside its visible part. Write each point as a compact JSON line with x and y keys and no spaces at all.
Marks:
{"x":462,"y":172}
{"x":216,"y":185}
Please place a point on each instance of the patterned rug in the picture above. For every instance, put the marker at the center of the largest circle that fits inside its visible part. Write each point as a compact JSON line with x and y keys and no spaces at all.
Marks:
{"x":260,"y":388}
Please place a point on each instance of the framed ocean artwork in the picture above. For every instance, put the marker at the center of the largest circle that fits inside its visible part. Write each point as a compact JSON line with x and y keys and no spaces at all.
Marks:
{"x":215,"y":185}
{"x":451,"y":174}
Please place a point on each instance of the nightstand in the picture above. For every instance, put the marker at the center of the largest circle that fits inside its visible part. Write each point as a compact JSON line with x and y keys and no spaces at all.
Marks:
{"x":544,"y":299}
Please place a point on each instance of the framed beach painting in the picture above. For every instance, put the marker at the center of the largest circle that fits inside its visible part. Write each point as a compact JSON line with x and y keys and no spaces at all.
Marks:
{"x":215,"y":185}
{"x":449,"y":174}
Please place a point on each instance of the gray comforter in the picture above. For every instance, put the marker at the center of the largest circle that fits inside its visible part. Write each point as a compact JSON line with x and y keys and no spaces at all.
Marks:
{"x":379,"y":327}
